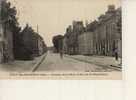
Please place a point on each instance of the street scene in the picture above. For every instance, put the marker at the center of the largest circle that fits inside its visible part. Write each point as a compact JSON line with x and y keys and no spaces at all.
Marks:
{"x":53,"y":62}
{"x":53,"y":40}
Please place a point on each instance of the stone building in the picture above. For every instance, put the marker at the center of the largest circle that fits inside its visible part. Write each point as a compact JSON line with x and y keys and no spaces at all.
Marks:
{"x":71,"y":37}
{"x":85,"y":43}
{"x":107,"y":38}
{"x":78,"y":28}
{"x":67,"y":40}
{"x":100,"y":37}
{"x":86,"y":39}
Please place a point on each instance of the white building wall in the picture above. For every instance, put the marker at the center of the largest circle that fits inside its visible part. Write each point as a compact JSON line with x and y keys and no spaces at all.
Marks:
{"x":86,"y":43}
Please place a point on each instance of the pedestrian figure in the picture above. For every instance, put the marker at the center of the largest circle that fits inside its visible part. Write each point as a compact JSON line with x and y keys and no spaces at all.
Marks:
{"x":116,"y":54}
{"x":61,"y":54}
{"x":103,"y":51}
{"x":5,"y":56}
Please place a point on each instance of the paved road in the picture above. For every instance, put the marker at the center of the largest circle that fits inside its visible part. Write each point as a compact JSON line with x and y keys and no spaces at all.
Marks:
{"x":53,"y":63}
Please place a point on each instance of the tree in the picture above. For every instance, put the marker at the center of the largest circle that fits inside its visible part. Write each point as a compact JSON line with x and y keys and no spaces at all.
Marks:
{"x":10,"y":22}
{"x":27,"y":43}
{"x":58,"y":42}
{"x":8,"y":15}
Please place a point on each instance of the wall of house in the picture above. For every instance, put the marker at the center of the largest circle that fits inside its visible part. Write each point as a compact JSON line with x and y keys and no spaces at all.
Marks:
{"x":85,"y":42}
{"x":100,"y":37}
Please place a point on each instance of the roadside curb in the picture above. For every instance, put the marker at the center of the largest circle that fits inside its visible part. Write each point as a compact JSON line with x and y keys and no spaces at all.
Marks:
{"x":115,"y":66}
{"x":111,"y":66}
{"x":38,"y":63}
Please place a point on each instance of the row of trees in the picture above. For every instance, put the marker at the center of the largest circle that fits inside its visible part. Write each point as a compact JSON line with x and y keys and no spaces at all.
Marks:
{"x":10,"y":20}
{"x":58,"y":42}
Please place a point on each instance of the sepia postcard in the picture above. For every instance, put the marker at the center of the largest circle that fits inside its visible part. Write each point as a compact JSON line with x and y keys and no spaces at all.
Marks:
{"x":61,"y":39}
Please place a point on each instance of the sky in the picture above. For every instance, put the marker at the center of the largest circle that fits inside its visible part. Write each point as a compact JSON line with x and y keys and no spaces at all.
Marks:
{"x":53,"y":16}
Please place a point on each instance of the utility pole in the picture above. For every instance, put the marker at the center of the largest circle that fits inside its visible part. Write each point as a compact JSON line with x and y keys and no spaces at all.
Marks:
{"x":37,"y":28}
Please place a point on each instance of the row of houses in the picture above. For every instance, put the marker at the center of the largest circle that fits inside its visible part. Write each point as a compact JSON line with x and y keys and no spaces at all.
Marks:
{"x":100,"y":37}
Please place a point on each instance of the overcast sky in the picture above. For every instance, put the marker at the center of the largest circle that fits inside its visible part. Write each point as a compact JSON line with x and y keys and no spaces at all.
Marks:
{"x":53,"y":16}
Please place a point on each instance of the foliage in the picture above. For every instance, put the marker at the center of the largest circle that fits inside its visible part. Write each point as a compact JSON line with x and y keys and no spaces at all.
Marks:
{"x":22,"y":50}
{"x":8,"y":15}
{"x":10,"y":22}
{"x":57,"y":41}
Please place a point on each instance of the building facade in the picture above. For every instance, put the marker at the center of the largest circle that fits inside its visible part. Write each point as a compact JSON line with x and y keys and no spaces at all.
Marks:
{"x":100,"y":37}
{"x":107,"y":38}
{"x":71,"y":37}
{"x":85,"y":42}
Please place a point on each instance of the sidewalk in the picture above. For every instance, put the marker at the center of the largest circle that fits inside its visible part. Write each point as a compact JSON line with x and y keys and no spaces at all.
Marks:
{"x":104,"y":61}
{"x":20,"y":65}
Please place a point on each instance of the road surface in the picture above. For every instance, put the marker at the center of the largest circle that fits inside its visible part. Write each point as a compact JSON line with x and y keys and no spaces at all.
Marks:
{"x":53,"y":63}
